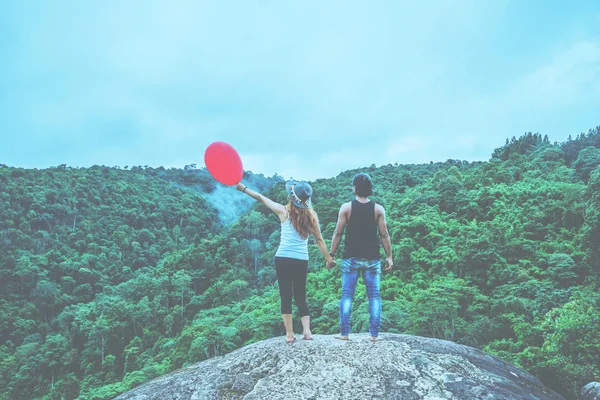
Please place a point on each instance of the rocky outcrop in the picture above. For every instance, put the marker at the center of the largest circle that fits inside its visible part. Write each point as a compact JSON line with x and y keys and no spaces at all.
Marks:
{"x":395,"y":367}
{"x":591,"y":391}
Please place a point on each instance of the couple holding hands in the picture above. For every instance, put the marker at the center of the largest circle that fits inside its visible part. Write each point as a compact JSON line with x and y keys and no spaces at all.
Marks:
{"x":364,"y":223}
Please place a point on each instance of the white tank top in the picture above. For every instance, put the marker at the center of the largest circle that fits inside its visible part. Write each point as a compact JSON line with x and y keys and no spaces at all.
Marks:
{"x":291,"y":244}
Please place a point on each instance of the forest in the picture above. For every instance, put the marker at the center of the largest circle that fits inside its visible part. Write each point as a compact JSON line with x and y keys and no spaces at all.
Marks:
{"x":111,"y":276}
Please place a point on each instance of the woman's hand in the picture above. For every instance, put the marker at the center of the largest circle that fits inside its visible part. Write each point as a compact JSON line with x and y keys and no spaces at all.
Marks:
{"x":331,"y":264}
{"x":240,"y":186}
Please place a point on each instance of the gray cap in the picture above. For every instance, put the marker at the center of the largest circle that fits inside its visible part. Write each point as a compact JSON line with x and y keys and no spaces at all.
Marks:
{"x":299,"y":193}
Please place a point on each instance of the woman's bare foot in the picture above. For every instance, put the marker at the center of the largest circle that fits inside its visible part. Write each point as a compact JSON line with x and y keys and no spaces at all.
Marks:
{"x":290,"y":339}
{"x":341,"y":337}
{"x":308,"y":336}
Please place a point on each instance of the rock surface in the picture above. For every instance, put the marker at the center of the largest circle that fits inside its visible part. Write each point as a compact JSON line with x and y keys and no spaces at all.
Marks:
{"x":591,"y":391}
{"x":395,"y":367}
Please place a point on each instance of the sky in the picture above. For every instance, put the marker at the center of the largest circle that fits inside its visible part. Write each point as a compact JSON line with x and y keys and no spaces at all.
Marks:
{"x":305,"y":89}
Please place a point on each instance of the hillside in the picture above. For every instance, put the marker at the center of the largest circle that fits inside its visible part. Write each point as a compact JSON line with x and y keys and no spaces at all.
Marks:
{"x":110,"y":277}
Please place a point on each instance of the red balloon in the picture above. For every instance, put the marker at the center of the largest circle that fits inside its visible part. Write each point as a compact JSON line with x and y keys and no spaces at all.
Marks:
{"x":223,"y":163}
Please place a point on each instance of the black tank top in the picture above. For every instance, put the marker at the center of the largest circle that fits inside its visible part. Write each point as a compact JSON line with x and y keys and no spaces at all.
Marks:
{"x":361,"y":232}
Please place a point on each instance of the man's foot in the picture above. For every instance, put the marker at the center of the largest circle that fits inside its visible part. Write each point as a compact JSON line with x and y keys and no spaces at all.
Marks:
{"x":290,"y":339}
{"x":308,"y":336}
{"x":373,"y":338}
{"x":341,"y":337}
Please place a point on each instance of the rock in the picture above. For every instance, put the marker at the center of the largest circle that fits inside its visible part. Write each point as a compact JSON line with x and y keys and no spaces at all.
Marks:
{"x":395,"y":367}
{"x":591,"y":391}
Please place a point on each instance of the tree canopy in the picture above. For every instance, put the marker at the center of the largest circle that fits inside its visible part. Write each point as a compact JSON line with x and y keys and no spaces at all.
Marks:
{"x":112,"y":276}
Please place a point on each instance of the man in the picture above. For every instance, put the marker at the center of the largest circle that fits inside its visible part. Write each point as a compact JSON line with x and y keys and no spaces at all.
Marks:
{"x":362,"y":218}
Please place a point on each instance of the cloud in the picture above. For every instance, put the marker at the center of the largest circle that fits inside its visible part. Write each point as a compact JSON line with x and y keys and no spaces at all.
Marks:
{"x":300,"y":89}
{"x":403,"y":150}
{"x":558,"y":95}
{"x":572,"y":73}
{"x":408,"y":144}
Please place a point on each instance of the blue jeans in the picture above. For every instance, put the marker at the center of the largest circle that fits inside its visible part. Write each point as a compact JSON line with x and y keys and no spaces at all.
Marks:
{"x":371,"y":273}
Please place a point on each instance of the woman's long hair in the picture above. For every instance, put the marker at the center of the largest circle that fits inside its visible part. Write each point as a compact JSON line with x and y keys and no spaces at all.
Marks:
{"x":301,"y":220}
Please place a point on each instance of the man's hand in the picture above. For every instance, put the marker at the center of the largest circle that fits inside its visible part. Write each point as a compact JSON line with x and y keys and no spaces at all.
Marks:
{"x":331,"y":264}
{"x":389,"y":264}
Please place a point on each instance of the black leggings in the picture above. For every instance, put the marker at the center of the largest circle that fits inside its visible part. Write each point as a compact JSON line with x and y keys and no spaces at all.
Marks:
{"x":291,"y":274}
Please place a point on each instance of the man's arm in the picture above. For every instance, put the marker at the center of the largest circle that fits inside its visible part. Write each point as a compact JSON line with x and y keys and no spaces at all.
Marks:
{"x":384,"y":235}
{"x":339,"y":228}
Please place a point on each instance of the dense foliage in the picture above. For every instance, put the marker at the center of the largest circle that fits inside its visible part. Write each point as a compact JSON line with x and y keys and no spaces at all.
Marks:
{"x":110,"y":277}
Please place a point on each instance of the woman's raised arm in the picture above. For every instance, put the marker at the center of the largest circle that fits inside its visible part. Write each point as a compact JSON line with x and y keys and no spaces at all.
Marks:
{"x":271,"y":205}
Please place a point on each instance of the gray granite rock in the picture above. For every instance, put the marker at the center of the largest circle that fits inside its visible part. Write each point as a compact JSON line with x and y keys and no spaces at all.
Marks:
{"x":591,"y":391}
{"x":395,"y":367}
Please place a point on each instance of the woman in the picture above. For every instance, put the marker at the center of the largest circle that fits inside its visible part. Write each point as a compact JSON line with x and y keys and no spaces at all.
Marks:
{"x":298,"y":221}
